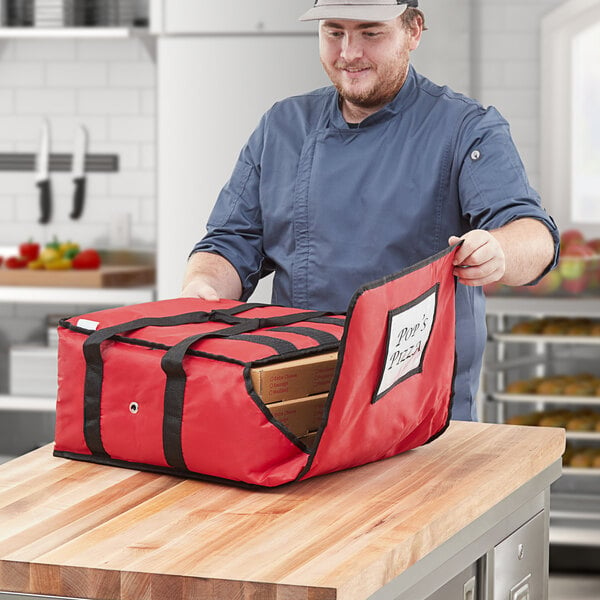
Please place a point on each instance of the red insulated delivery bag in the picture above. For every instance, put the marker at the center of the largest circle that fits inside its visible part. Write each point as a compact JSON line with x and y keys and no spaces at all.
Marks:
{"x":167,"y":386}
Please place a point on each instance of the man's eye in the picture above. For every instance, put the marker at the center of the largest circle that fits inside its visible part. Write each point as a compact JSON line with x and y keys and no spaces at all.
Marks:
{"x":372,"y":34}
{"x":335,"y":34}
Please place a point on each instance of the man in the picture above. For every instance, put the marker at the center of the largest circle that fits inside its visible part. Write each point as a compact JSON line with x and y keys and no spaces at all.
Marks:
{"x":346,"y":184}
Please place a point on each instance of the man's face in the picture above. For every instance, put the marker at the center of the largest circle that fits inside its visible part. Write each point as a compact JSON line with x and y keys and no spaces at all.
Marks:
{"x":366,"y":61}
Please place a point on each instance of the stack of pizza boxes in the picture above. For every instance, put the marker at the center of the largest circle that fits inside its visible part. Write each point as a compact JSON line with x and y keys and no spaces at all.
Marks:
{"x":295,"y":391}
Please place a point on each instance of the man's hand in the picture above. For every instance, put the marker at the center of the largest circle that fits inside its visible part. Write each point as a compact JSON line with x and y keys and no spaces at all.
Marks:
{"x":514,"y":254}
{"x":480,"y":260}
{"x":210,"y":277}
{"x":198,"y":288}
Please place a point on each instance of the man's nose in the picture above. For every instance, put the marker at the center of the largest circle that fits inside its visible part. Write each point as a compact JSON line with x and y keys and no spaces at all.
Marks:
{"x":351,"y":48}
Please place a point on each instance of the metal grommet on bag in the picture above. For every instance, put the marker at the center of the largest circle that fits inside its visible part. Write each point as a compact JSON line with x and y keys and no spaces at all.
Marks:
{"x":134,"y":408}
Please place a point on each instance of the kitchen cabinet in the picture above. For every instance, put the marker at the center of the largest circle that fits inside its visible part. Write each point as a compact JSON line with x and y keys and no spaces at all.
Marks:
{"x":575,"y":498}
{"x":415,"y":526}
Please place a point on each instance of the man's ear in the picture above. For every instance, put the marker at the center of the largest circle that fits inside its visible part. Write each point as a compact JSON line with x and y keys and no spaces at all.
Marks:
{"x":415,"y":32}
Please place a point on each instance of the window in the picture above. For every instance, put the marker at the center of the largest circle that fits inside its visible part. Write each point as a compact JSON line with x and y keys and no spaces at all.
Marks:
{"x":585,"y":126}
{"x":570,"y":117}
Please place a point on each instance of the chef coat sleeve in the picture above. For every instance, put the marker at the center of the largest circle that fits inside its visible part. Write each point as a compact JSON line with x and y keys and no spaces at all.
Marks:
{"x":493,"y":186}
{"x":234,"y":228}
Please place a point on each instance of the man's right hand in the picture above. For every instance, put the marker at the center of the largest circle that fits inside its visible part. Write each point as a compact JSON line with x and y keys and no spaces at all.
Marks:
{"x":210,"y":277}
{"x":197,"y":288}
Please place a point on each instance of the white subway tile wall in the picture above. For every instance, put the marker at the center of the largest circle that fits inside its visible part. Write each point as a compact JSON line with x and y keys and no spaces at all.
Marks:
{"x":507,"y":67}
{"x":107,"y":85}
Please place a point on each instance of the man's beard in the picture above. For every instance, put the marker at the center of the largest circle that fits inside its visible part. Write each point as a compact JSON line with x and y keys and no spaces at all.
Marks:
{"x":369,"y":98}
{"x":380,"y":93}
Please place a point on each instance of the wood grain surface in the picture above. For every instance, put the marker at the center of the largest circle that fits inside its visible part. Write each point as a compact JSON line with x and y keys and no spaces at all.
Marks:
{"x":75,"y":529}
{"x":104,"y":277}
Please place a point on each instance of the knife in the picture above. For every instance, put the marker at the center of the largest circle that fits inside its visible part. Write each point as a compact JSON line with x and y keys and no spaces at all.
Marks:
{"x":42,"y":177}
{"x":78,"y":171}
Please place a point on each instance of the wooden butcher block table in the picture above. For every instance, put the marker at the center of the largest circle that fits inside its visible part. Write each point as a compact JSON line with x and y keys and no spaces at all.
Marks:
{"x":399,"y":528}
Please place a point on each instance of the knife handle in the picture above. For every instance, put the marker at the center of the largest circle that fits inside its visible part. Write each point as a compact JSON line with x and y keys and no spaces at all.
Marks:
{"x":45,"y":200}
{"x":78,"y":197}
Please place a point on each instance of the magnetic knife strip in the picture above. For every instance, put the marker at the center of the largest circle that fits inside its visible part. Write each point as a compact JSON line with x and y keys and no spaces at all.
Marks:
{"x":94,"y":163}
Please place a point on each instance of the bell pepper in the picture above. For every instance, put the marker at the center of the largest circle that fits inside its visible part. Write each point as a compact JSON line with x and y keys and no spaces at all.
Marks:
{"x":29,"y":250}
{"x":55,"y":243}
{"x":16,"y":262}
{"x":60,"y":264}
{"x":49,"y":254}
{"x":68,"y":249}
{"x":36,"y":264}
{"x":87,"y":259}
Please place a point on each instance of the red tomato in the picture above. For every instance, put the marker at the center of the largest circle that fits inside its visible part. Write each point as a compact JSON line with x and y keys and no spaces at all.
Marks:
{"x":87,"y":259}
{"x":16,"y":262}
{"x":29,"y":251}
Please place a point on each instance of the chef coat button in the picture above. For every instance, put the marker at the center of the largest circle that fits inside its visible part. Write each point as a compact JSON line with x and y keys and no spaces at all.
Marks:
{"x":134,"y":408}
{"x":475,"y":155}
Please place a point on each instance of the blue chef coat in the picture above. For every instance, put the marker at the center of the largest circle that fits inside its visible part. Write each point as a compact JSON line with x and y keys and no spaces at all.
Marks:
{"x":330,"y":207}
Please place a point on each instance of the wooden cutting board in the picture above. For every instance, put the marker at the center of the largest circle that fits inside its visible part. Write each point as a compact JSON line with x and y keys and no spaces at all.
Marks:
{"x":105,"y":277}
{"x":82,"y":530}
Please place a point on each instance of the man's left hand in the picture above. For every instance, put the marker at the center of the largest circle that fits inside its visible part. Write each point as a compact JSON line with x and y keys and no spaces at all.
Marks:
{"x":480,"y":259}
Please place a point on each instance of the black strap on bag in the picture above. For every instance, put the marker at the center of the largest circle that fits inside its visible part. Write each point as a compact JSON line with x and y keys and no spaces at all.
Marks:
{"x":94,"y":370}
{"x":279,"y":345}
{"x":172,"y":365}
{"x":320,"y":336}
{"x":330,"y":320}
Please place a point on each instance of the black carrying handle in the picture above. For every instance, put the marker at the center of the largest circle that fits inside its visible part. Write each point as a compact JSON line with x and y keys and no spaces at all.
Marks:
{"x":94,"y":369}
{"x":172,"y":365}
{"x":45,"y":200}
{"x":172,"y":360}
{"x":78,"y":197}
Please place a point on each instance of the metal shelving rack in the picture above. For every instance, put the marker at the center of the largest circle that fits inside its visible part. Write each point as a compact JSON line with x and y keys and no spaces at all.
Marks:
{"x":71,"y":32}
{"x":575,"y":497}
{"x":143,"y":34}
